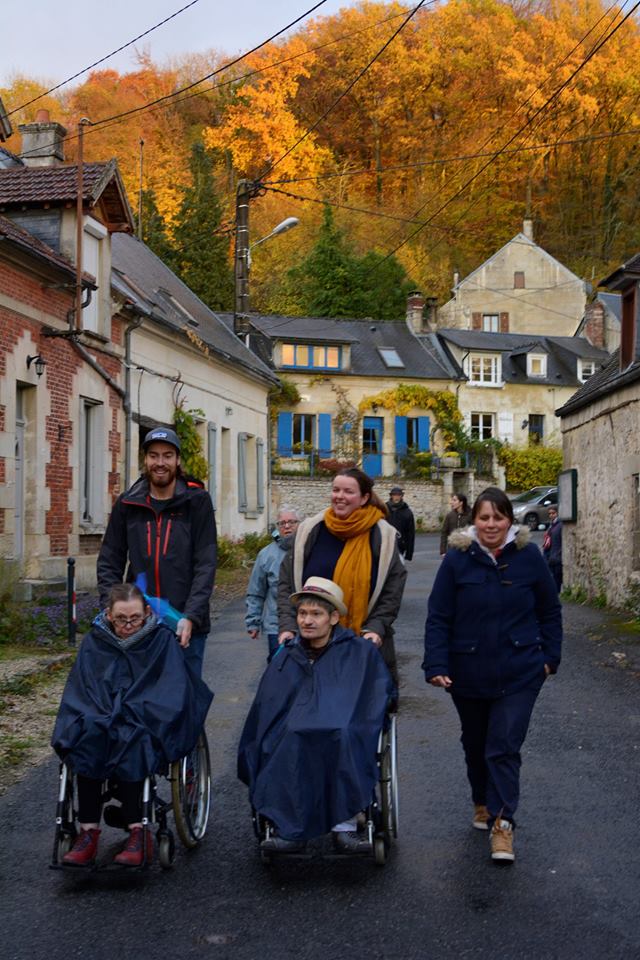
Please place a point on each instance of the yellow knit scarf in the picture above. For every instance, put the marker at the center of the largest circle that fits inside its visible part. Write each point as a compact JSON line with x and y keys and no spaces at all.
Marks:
{"x":353,"y":569}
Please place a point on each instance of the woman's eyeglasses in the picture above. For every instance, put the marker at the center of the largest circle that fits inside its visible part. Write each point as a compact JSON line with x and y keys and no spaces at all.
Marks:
{"x":136,"y":621}
{"x":287,"y":523}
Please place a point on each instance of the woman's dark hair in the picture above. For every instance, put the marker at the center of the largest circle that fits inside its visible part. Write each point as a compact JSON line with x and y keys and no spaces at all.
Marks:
{"x":463,"y":500}
{"x":499,"y":500}
{"x":124,"y":592}
{"x":365,"y":484}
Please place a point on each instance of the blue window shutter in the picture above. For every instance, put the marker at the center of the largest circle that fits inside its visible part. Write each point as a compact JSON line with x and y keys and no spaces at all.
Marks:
{"x":285,"y":434}
{"x":324,"y":435}
{"x":401,"y":436}
{"x":423,"y":434}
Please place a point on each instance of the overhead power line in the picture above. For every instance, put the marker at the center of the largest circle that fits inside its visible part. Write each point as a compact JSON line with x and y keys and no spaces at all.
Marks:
{"x":340,"y":206}
{"x":347,"y":89}
{"x":102,"y":59}
{"x":190,"y":86}
{"x":518,"y":132}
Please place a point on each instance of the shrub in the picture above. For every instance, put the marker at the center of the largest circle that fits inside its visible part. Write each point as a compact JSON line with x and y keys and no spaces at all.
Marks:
{"x":531,"y":466}
{"x":332,"y":466}
{"x":416,"y":465}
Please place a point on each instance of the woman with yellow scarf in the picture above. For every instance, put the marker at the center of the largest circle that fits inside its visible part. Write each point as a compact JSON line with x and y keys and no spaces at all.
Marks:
{"x":352,"y":544}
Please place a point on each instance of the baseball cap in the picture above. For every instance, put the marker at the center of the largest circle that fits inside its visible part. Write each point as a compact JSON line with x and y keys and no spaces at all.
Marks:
{"x":161,"y":435}
{"x":324,"y":590}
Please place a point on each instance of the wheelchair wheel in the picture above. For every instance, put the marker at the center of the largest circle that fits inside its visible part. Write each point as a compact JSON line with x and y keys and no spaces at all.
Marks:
{"x":66,"y":830}
{"x":379,"y":851}
{"x":166,"y":849}
{"x":389,"y":780}
{"x":191,"y":793}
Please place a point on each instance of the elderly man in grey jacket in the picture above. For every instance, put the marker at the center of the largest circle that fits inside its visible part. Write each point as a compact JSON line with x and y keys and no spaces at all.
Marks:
{"x":262,"y":610}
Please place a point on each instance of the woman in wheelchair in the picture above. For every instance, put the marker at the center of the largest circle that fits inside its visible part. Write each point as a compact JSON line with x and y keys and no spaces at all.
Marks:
{"x":131,"y":706}
{"x":308,"y":748}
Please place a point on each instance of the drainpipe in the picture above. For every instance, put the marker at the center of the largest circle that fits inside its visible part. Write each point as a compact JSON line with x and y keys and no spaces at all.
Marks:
{"x":84,"y":353}
{"x":128,"y":412}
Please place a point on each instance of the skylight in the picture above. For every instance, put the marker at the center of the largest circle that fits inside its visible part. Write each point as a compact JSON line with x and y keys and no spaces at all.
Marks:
{"x":390,"y":356}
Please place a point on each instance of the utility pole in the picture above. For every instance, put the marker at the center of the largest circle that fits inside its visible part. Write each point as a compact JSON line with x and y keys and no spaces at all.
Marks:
{"x":246,"y":191}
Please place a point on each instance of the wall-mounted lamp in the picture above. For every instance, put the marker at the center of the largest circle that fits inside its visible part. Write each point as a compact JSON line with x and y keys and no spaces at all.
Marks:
{"x":228,"y":411}
{"x":525,"y":424}
{"x":39,"y":362}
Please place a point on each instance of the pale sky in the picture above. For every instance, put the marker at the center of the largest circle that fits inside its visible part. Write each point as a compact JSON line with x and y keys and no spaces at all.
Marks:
{"x":51,"y":41}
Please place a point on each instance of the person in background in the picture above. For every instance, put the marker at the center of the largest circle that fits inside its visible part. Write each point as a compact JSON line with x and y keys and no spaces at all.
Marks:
{"x":458,"y":517}
{"x":401,"y":517}
{"x":492,"y":637}
{"x":552,"y":547}
{"x":262,"y":592}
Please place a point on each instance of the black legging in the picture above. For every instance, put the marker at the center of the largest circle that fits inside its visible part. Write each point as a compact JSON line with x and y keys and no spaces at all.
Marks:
{"x":90,"y":800}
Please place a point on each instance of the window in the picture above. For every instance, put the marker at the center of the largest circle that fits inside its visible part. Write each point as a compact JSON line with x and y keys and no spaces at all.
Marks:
{"x":491,"y":322}
{"x":536,"y":365}
{"x":304,"y":355}
{"x":484,"y":369}
{"x":92,"y":470}
{"x":390,"y":356}
{"x":481,"y":426}
{"x":303,"y":437}
{"x":586,"y":369}
{"x":536,"y":427}
{"x":518,"y":280}
{"x":412,"y":433}
{"x":371,"y":438}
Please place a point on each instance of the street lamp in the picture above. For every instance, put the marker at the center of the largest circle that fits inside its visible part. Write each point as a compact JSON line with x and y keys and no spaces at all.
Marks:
{"x":247,"y":189}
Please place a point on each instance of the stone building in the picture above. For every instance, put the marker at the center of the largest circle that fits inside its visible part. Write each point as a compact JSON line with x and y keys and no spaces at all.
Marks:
{"x":520,"y":289}
{"x":601,"y":444}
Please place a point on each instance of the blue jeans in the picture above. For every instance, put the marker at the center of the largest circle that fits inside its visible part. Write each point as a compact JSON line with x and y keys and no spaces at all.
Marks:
{"x":194,"y":654}
{"x":272,"y":639}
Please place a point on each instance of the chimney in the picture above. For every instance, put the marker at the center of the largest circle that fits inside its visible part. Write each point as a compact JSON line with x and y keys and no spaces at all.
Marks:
{"x":456,"y":280}
{"x":527,"y":228}
{"x":415,"y":312}
{"x":42,"y":141}
{"x":432,"y":314}
{"x":593,"y":324}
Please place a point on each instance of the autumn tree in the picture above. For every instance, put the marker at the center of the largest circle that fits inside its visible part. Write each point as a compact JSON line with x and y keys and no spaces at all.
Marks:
{"x":153,"y":228}
{"x":200,"y":248}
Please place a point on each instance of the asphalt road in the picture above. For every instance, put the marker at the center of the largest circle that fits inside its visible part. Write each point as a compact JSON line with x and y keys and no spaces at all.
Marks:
{"x":572,"y":893}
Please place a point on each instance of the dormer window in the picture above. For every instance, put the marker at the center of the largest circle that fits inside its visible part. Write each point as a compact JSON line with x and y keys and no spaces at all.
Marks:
{"x":491,"y":322}
{"x":307,"y":356}
{"x":484,"y":369}
{"x":391,"y":357}
{"x":536,"y":364}
{"x":94,"y":238}
{"x":586,"y":369}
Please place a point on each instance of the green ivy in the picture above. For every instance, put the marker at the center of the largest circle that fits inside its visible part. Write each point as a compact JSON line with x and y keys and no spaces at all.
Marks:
{"x":532,"y":466}
{"x":192,"y":458}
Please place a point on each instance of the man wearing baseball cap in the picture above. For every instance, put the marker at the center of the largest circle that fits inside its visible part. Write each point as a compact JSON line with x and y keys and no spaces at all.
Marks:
{"x":164,"y":527}
{"x":308,"y":747}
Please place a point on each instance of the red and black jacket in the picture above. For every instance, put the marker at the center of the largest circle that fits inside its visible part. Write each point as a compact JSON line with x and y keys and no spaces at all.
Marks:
{"x":172,"y":541}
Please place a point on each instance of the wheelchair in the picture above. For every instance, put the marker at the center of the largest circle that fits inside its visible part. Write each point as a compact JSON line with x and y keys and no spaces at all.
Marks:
{"x":189,"y":800}
{"x":381,"y":816}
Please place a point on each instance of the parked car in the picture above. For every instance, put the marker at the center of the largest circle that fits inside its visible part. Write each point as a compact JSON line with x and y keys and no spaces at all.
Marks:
{"x":532,"y":508}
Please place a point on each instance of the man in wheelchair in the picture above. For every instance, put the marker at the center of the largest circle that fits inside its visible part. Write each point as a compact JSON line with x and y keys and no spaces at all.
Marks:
{"x":308,"y":748}
{"x":131,"y":706}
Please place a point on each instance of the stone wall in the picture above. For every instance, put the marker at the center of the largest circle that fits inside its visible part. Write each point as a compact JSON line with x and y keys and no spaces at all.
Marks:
{"x":602,"y":442}
{"x":429,"y":500}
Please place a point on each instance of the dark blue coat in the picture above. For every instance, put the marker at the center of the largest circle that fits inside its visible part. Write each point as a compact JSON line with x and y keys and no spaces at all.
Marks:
{"x":128,"y":712}
{"x":492,"y":627}
{"x":308,"y":748}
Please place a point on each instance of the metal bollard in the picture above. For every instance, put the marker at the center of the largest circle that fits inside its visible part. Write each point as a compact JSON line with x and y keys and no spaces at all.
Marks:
{"x":72,"y":622}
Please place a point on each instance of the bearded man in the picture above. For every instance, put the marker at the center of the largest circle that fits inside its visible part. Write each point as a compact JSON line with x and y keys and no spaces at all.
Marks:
{"x":164,"y":527}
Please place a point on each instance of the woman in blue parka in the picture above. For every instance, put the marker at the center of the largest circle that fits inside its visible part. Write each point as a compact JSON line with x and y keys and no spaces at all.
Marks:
{"x":492,"y":637}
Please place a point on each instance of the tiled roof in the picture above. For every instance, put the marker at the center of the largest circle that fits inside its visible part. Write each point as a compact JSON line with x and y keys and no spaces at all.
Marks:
{"x":420,"y":360}
{"x":142,"y":278}
{"x":562,"y":353}
{"x":28,"y":185}
{"x":601,"y":384}
{"x":26,"y":241}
